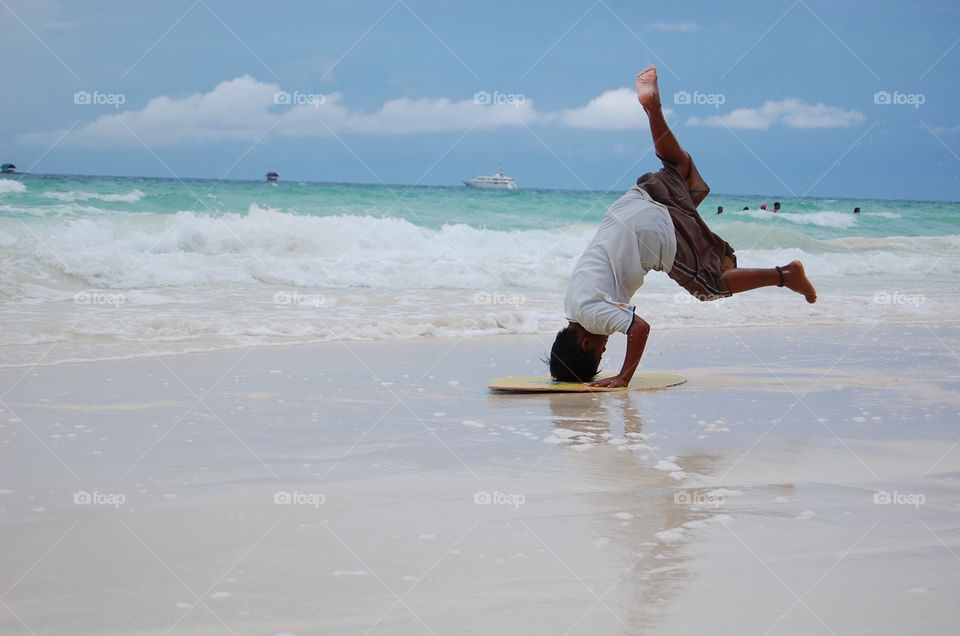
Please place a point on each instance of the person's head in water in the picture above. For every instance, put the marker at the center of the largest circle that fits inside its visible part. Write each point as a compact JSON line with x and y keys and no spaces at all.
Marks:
{"x":719,"y":209}
{"x":575,"y":355}
{"x":776,"y":206}
{"x":746,"y":207}
{"x":856,"y":210}
{"x":763,"y":206}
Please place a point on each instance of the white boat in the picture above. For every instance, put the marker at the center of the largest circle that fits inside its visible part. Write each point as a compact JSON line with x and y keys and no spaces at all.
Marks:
{"x":499,"y":181}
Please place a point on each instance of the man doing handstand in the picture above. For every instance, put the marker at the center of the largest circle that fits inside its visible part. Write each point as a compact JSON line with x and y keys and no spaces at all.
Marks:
{"x":655,"y":225}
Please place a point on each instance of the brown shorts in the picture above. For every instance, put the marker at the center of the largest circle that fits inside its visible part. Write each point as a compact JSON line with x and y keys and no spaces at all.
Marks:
{"x":700,"y":257}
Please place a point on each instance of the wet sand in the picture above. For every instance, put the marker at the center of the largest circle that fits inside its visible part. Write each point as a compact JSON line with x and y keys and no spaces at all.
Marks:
{"x":802,"y":481}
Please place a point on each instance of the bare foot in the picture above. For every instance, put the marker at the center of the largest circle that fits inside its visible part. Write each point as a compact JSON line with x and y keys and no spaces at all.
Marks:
{"x":796,"y":279}
{"x":648,"y":93}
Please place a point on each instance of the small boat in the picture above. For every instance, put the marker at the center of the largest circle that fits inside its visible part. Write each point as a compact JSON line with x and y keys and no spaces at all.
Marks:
{"x":498,"y":181}
{"x":8,"y":168}
{"x":272,"y":176}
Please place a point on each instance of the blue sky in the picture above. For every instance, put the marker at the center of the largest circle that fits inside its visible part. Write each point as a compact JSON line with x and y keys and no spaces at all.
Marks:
{"x":783,"y":94}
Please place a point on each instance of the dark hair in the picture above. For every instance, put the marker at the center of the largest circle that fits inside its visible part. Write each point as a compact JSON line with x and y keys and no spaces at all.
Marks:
{"x":568,"y":362}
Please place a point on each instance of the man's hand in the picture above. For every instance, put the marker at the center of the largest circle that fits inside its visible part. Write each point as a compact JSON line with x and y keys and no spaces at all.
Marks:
{"x":636,"y":342}
{"x":612,"y":382}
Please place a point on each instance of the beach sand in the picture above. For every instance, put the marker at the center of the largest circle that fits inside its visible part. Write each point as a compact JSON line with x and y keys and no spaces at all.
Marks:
{"x":803,"y":481}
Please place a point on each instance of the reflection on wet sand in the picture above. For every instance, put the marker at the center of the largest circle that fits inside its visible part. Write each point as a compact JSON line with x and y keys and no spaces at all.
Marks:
{"x":634,"y":507}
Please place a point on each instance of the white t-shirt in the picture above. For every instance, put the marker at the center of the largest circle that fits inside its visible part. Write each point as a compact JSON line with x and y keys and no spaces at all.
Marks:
{"x":635,"y":236}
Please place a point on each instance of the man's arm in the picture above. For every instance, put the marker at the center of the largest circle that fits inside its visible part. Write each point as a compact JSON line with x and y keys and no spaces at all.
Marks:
{"x":636,"y":343}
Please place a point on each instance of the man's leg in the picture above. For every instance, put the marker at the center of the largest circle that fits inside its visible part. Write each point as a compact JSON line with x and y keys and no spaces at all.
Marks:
{"x":793,"y":277}
{"x":667,"y":146}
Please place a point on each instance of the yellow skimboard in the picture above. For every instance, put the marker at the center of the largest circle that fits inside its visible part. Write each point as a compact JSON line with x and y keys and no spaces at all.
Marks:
{"x":642,"y":381}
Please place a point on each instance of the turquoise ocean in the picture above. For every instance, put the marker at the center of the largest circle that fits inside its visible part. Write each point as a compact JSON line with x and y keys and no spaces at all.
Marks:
{"x":109,"y":267}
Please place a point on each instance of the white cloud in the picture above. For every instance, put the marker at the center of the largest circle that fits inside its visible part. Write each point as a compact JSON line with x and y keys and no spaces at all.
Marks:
{"x":233,"y":110}
{"x":244,"y":108}
{"x":403,"y":117}
{"x":792,"y":113}
{"x":683,"y":27}
{"x":615,"y":109}
{"x":62,"y":25}
{"x":945,"y":130}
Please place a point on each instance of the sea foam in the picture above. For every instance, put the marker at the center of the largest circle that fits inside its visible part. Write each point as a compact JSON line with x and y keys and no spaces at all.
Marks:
{"x":272,"y":247}
{"x":11,"y":186}
{"x":203,"y":280}
{"x":79,"y":195}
